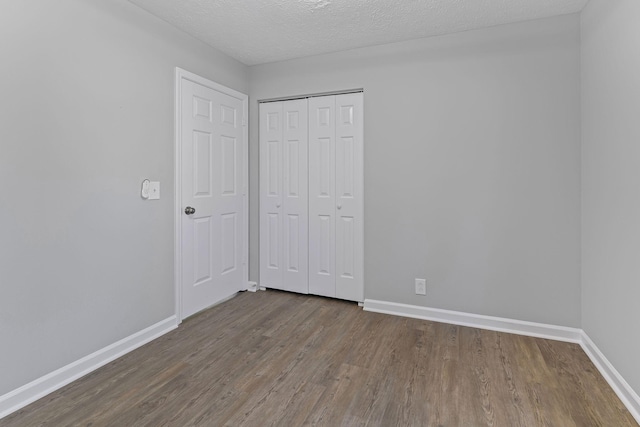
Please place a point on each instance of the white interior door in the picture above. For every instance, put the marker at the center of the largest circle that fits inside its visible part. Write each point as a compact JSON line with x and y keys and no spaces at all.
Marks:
{"x":322,"y":196}
{"x":212,"y":243}
{"x":271,"y":176}
{"x":349,"y":197}
{"x":283,"y":195}
{"x":311,"y":196}
{"x":336,"y":196}
{"x":295,"y":204}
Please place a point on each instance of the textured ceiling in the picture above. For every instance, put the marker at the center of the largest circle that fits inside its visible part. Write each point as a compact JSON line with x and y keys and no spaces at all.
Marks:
{"x":260,"y":31}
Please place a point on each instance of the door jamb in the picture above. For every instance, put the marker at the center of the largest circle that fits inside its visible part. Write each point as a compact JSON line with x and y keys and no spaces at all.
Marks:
{"x":181,"y":74}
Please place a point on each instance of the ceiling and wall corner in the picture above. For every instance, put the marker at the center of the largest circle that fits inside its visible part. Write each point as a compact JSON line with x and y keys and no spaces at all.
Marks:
{"x":261,"y":31}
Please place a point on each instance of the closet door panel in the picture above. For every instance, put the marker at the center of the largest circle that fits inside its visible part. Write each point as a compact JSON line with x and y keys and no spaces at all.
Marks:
{"x":272,"y":264}
{"x":295,"y":196}
{"x":322,"y":197}
{"x":349,"y":197}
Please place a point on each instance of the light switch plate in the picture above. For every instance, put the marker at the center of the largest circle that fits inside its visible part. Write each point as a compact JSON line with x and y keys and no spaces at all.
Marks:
{"x":154,"y":190}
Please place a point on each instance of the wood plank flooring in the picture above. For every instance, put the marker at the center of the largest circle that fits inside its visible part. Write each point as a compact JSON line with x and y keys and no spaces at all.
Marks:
{"x":278,"y":359}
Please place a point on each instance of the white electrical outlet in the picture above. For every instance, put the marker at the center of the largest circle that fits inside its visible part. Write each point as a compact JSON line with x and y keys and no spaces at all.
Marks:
{"x":421,"y":286}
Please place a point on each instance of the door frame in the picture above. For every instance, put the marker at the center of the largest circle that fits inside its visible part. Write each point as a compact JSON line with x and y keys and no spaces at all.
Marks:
{"x":181,"y":74}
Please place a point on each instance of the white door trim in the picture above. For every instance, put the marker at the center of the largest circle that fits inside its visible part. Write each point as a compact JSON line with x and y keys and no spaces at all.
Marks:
{"x":177,"y":229}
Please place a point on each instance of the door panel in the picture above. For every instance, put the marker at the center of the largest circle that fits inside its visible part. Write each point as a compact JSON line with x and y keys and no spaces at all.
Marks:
{"x":229,"y":162}
{"x":273,"y":240}
{"x":345,"y":250}
{"x":349,"y":197}
{"x":293,"y":231}
{"x":295,"y":200}
{"x":271,"y":178}
{"x":202,"y":241}
{"x":325,"y":245}
{"x":325,"y":167}
{"x":228,"y":243}
{"x":273,"y":167}
{"x":292,"y":168}
{"x":212,"y":168}
{"x":322,"y":196}
{"x":284,"y":200}
{"x":202,"y":164}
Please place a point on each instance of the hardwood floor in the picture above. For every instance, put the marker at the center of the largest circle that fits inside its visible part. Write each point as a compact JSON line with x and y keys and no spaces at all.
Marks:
{"x":274,"y":358}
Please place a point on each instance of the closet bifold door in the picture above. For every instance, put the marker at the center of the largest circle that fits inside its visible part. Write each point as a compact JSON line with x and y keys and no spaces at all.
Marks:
{"x":336,"y":196}
{"x":284,"y":196}
{"x":349,"y":197}
{"x":322,"y":196}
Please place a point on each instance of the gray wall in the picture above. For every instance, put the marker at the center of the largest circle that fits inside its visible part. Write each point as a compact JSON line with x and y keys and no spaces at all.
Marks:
{"x":86,"y":113}
{"x":472,"y":165}
{"x":611,"y":181}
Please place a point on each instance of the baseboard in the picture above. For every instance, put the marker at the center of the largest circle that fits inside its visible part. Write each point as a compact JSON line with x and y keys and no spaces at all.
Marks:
{"x":21,"y":397}
{"x":539,"y":330}
{"x":624,"y":391}
{"x":520,"y":327}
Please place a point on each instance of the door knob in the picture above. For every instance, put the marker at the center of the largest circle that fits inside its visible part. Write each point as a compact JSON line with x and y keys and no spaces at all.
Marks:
{"x":339,"y":206}
{"x":189,"y":210}
{"x":278,"y":205}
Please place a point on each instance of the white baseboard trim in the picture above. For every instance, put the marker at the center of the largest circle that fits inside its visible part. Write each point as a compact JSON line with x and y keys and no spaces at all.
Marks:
{"x":29,"y":393}
{"x":539,"y":330}
{"x":520,"y":327}
{"x":622,"y":388}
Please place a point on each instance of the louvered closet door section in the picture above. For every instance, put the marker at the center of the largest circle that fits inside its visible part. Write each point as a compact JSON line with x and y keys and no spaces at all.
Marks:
{"x":283,"y":195}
